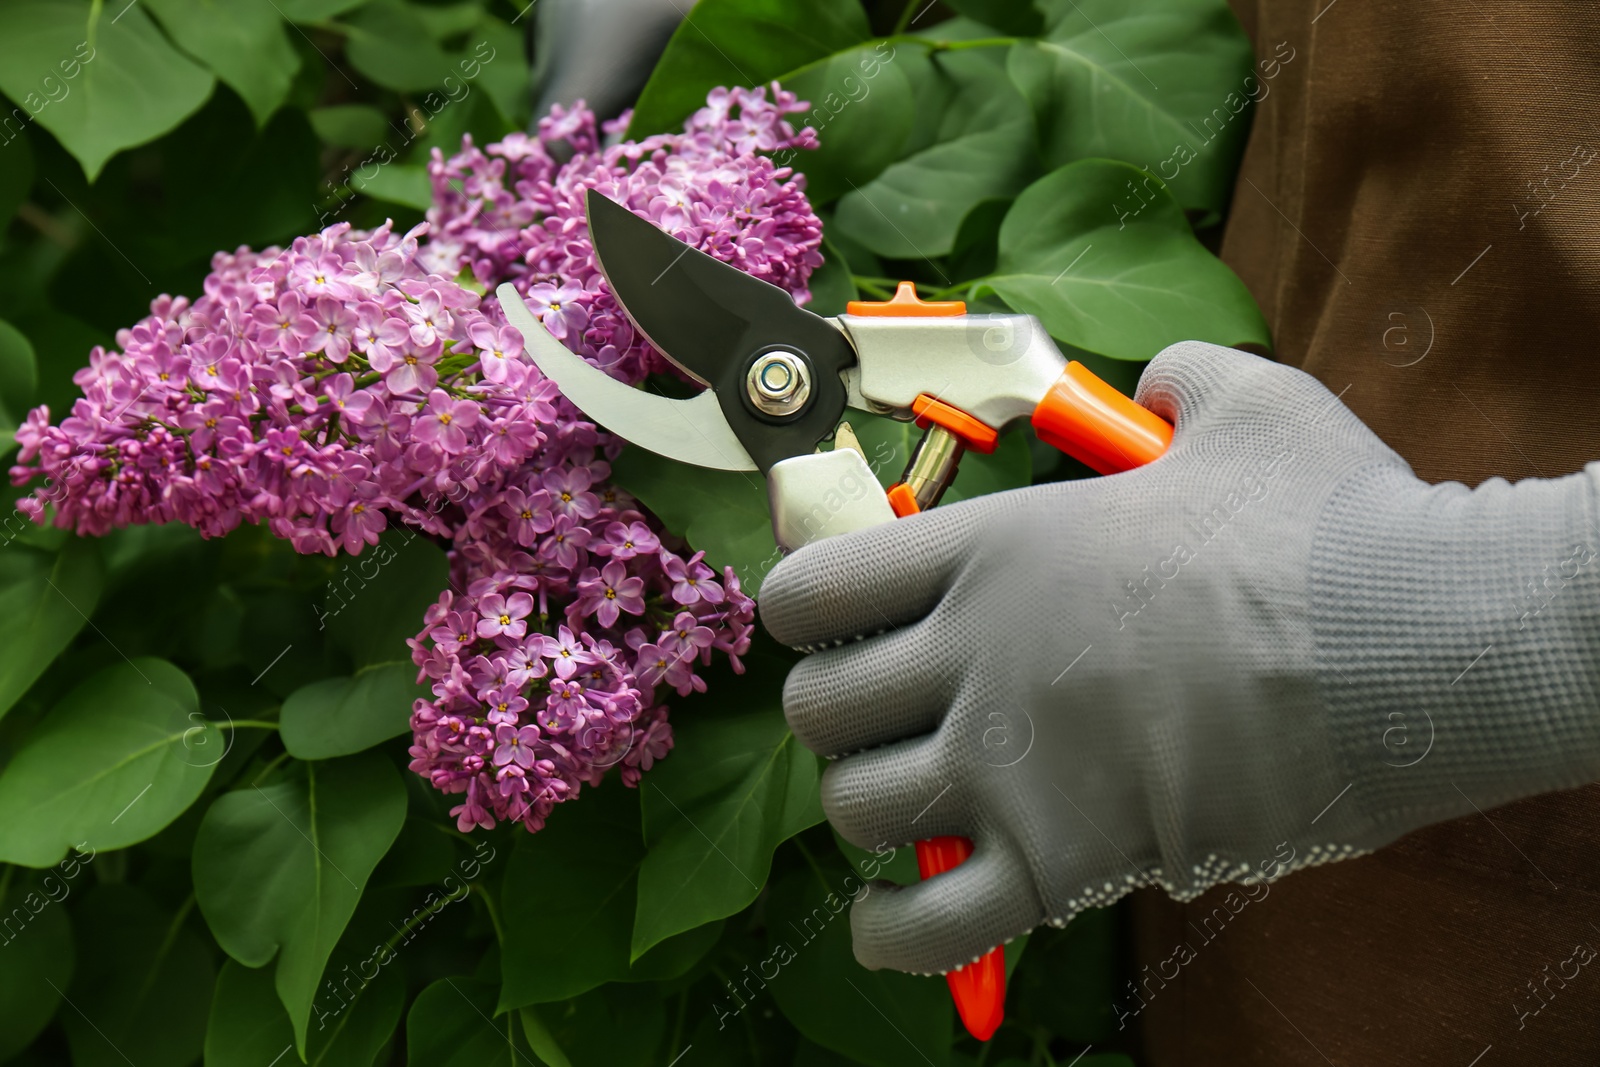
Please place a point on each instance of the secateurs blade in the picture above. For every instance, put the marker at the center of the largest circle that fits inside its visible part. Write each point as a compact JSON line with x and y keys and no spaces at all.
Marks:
{"x":780,"y":379}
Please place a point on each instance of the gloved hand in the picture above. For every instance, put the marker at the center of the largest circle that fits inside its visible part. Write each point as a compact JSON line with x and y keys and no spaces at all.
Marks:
{"x":1272,"y":647}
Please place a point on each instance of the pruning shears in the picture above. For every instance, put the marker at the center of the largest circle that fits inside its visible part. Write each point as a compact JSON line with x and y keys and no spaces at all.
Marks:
{"x":779,"y":380}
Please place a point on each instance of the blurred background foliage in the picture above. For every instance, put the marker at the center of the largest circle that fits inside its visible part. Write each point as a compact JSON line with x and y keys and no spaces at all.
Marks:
{"x":282,"y":887}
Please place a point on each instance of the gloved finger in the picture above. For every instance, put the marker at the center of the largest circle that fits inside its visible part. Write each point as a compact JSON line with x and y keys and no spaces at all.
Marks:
{"x":866,"y":582}
{"x":1198,"y":386}
{"x":870,"y":692}
{"x":949,"y":920}
{"x":1183,"y":378}
{"x":895,"y":794}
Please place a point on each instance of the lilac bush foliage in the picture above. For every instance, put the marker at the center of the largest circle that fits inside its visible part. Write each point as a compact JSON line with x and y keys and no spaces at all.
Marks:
{"x":360,"y":379}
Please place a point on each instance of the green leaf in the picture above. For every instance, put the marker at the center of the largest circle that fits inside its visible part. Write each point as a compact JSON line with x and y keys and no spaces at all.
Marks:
{"x":740,"y":42}
{"x":499,"y":52}
{"x":350,"y":125}
{"x":832,"y":285}
{"x":143,"y":983}
{"x":1067,"y":982}
{"x":377,"y":599}
{"x":541,"y":1040}
{"x":1139,"y":82}
{"x":450,"y":19}
{"x":737,"y":786}
{"x":119,"y":757}
{"x":16,"y":173}
{"x":389,"y":42}
{"x":878,"y":1018}
{"x":861,"y":108}
{"x":1018,"y":17}
{"x":99,"y":88}
{"x":808,"y":1054}
{"x":675,"y":956}
{"x":248,"y":1025}
{"x":452,"y":1024}
{"x":982,"y":147}
{"x":244,"y":42}
{"x":278,"y":869}
{"x":19,"y":374}
{"x":578,"y":937}
{"x":37,"y":945}
{"x":343,"y":716}
{"x":898,"y":865}
{"x":723,"y":513}
{"x":614,"y":1026}
{"x":1124,"y":283}
{"x":315,"y":10}
{"x":397,"y":183}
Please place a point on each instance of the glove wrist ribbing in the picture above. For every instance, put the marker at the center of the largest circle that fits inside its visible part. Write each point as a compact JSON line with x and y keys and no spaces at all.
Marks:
{"x":1458,"y":641}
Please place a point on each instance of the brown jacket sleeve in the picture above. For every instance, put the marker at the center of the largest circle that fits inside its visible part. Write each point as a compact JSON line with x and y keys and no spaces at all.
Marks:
{"x":1418,"y":215}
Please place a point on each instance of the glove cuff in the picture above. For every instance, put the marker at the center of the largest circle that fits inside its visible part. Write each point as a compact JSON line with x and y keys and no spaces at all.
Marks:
{"x":1457,"y":635}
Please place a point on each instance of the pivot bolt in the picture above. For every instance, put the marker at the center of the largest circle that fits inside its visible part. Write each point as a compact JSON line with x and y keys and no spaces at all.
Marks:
{"x":778,"y":383}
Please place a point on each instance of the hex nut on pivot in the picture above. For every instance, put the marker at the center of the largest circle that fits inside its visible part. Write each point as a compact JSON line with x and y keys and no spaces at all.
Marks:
{"x":778,"y":382}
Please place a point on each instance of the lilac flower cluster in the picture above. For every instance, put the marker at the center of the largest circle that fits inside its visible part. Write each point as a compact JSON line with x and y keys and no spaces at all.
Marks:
{"x":320,"y":390}
{"x":516,"y":212}
{"x":356,"y":380}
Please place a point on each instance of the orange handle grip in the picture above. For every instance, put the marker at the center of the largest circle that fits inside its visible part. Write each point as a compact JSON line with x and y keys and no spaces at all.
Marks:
{"x":979,"y":989}
{"x":1092,"y":422}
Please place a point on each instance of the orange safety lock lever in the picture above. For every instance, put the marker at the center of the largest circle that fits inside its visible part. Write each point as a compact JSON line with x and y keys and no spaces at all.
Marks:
{"x":1090,"y":421}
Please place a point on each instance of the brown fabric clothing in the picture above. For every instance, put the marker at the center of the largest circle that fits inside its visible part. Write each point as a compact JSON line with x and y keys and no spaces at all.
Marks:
{"x":1418,"y":215}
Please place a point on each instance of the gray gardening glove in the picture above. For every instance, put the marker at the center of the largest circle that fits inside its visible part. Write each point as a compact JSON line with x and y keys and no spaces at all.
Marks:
{"x":1271,"y":648}
{"x":599,"y":51}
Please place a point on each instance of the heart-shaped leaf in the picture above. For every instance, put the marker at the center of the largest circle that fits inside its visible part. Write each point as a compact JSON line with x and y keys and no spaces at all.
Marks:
{"x":1020,"y":17}
{"x":740,"y":42}
{"x":315,"y":10}
{"x":615,"y":1026}
{"x":389,"y":42}
{"x":1114,"y":272}
{"x":342,"y":716}
{"x":452,"y":1024}
{"x":248,"y":1025}
{"x":981,"y":147}
{"x":119,"y":758}
{"x":583,"y":870}
{"x":861,"y":108}
{"x":244,"y":42}
{"x":880,"y":1018}
{"x":376,"y":600}
{"x":279,"y":869}
{"x":45,"y":599}
{"x":1160,"y":85}
{"x":99,"y":83}
{"x":712,"y":821}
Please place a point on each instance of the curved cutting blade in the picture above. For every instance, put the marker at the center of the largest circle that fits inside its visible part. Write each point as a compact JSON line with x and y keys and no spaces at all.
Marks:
{"x":690,"y":431}
{"x":693,"y":307}
{"x":712,"y":320}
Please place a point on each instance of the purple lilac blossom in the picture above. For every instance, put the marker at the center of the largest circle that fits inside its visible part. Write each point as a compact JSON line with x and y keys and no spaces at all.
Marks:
{"x":357,"y":380}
